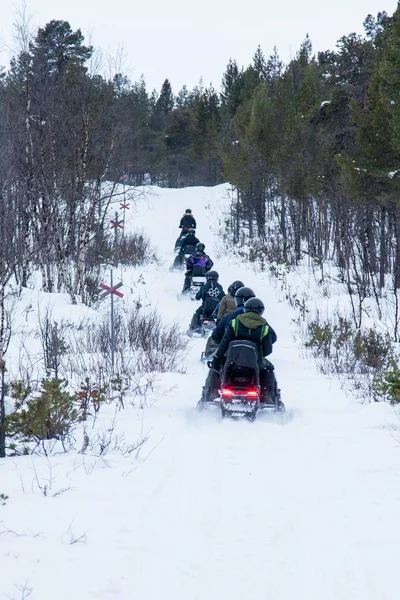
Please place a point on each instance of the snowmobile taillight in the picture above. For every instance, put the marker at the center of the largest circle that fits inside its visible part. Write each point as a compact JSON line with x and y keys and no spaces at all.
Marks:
{"x":227,"y":393}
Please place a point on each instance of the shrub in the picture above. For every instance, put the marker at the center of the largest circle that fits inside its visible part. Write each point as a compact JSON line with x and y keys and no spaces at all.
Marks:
{"x":142,"y":336}
{"x":52,"y":414}
{"x":90,"y":397}
{"x":92,"y":286}
{"x":161,"y":347}
{"x":134,"y":250}
{"x":387,"y":387}
{"x":52,"y":338}
{"x":357,"y":357}
{"x":320,"y":338}
{"x":372,"y":348}
{"x":329,"y":338}
{"x":131,"y":250}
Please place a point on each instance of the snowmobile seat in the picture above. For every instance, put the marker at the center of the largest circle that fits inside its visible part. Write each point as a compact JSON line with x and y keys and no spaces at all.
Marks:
{"x":241,"y":365}
{"x":198,"y":271}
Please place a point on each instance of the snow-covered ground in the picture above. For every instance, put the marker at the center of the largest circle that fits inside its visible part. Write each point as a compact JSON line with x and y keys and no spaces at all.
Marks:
{"x":210,"y":509}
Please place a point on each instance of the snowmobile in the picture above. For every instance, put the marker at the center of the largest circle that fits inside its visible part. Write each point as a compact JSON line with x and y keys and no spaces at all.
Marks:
{"x":196,"y":282}
{"x":181,"y":257}
{"x":240,"y":394}
{"x":197,"y":279}
{"x":209,"y":350}
{"x":207,"y":325}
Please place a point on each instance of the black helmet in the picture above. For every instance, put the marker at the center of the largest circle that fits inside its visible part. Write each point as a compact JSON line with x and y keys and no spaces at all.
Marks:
{"x":188,"y":210}
{"x":212,"y":275}
{"x":243,"y":294}
{"x":235,"y":286}
{"x":200,"y":247}
{"x":254,"y":305}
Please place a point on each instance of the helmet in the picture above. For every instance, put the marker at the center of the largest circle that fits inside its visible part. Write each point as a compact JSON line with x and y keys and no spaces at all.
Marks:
{"x":212,"y":275}
{"x":192,"y":231}
{"x":254,"y":305}
{"x":243,"y":294}
{"x":188,"y":210}
{"x":200,"y":247}
{"x":235,"y":286}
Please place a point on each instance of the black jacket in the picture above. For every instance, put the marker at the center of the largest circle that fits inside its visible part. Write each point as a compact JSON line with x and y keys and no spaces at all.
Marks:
{"x":187,"y":222}
{"x":210,"y":294}
{"x":251,"y":327}
{"x":188,"y":240}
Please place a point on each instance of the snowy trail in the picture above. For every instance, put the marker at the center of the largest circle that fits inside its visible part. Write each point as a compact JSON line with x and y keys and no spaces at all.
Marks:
{"x":227,"y":509}
{"x":265,"y":511}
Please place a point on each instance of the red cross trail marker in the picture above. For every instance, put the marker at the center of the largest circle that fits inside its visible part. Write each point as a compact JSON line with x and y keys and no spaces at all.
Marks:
{"x":124,"y":206}
{"x":110,"y":290}
{"x":117,"y":223}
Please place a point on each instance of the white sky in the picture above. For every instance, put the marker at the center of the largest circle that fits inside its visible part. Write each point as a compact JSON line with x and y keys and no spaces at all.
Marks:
{"x":183,"y":41}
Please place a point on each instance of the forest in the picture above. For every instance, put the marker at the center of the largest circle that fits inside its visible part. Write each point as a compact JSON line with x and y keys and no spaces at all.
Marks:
{"x":314,"y":142}
{"x":311,"y":150}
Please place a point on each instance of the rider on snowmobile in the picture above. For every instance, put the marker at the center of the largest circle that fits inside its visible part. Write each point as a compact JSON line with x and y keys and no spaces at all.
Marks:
{"x":210,"y":293}
{"x":199,"y":262}
{"x":228,"y":304}
{"x":187,"y":222}
{"x":189,"y":239}
{"x":250,"y":326}
{"x":242,"y":294}
{"x":182,"y":246}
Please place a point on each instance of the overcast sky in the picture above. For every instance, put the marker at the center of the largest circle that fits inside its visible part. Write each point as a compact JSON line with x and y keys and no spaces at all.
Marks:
{"x":183,"y":40}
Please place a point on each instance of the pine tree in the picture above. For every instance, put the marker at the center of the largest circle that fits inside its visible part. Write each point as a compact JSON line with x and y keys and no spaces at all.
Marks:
{"x":164,"y":104}
{"x":274,"y":68}
{"x":259,"y":65}
{"x":232,"y":82}
{"x":165,"y":101}
{"x":183,"y":98}
{"x":57,"y":47}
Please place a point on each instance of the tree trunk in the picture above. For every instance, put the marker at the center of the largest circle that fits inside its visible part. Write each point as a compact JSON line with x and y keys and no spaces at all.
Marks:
{"x":2,"y":370}
{"x":382,"y":249}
